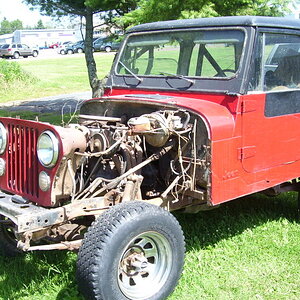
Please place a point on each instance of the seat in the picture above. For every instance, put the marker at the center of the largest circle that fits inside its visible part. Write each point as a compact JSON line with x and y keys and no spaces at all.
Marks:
{"x":288,"y":71}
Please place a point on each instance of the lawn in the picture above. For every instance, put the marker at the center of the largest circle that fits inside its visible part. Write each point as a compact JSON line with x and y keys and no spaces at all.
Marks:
{"x":55,"y":76}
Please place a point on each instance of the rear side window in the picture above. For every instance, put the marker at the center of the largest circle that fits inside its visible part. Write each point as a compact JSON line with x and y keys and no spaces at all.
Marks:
{"x":277,"y":63}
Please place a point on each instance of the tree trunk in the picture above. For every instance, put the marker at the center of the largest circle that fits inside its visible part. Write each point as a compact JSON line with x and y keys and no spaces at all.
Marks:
{"x":95,"y":83}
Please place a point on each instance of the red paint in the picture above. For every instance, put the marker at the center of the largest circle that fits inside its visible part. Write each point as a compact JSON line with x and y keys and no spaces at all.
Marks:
{"x":250,"y":152}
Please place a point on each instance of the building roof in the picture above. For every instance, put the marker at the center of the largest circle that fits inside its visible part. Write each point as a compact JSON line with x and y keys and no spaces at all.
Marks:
{"x":279,"y":22}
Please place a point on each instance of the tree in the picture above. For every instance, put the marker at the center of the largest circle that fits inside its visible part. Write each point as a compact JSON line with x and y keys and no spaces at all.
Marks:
{"x":85,"y":9}
{"x":10,"y":26}
{"x":40,"y":25}
{"x":157,"y":10}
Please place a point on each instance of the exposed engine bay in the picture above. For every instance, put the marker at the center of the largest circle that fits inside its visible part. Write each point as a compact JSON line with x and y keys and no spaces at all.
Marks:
{"x":143,"y":152}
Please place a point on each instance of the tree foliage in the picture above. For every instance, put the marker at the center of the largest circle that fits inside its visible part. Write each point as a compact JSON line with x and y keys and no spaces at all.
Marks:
{"x":40,"y":25}
{"x":10,"y":26}
{"x":85,"y":9}
{"x":157,"y":10}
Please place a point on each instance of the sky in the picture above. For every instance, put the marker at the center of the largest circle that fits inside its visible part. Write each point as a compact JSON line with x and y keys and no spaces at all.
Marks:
{"x":15,"y":9}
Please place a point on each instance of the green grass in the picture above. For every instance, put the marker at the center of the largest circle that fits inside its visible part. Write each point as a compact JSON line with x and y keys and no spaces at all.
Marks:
{"x":246,"y":249}
{"x":56,"y":76}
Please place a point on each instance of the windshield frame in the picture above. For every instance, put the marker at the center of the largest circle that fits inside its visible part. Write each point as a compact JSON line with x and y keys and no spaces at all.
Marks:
{"x":162,"y":82}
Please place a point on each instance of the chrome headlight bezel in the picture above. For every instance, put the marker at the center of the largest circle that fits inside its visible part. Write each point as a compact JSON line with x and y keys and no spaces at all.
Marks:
{"x":3,"y":138}
{"x":48,"y":160}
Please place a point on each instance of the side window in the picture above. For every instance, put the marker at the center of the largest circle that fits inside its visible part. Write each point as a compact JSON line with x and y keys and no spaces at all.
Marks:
{"x":14,"y":46}
{"x":276,"y":63}
{"x":19,"y":46}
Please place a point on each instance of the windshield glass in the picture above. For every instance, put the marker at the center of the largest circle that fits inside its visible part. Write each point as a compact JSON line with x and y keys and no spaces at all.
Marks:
{"x":193,"y":53}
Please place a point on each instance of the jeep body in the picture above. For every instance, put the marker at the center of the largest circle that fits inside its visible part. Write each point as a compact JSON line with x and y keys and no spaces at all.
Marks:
{"x":195,"y":113}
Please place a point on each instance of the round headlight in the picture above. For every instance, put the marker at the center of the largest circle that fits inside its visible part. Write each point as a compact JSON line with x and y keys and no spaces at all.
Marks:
{"x":3,"y":138}
{"x":47,"y":149}
{"x":44,"y":181}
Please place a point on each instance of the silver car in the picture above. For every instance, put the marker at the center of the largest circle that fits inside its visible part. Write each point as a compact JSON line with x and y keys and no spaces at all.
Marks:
{"x":16,"y":50}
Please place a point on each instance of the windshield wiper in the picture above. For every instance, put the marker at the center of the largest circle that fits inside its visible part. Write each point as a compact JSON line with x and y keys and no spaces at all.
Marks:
{"x":130,"y":71}
{"x":178,"y":76}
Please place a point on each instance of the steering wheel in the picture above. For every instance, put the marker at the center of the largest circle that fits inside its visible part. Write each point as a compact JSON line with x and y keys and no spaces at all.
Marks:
{"x":222,"y":72}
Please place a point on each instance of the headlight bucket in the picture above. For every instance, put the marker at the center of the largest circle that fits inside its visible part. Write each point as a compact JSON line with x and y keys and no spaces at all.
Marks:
{"x":47,"y":149}
{"x":3,"y":138}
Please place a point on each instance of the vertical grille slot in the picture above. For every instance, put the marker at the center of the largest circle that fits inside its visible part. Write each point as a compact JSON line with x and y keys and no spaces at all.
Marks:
{"x":22,"y":172}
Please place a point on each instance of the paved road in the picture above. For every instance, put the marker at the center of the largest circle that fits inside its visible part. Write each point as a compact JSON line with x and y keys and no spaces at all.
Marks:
{"x":55,"y":104}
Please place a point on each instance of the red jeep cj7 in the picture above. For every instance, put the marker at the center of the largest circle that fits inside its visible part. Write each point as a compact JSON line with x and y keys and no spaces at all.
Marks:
{"x":195,"y":113}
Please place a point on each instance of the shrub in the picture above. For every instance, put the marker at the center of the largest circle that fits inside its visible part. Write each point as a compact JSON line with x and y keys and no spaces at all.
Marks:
{"x":10,"y":72}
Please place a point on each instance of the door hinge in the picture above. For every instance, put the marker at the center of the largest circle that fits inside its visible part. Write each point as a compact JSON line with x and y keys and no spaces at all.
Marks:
{"x":248,"y":106}
{"x":246,"y":152}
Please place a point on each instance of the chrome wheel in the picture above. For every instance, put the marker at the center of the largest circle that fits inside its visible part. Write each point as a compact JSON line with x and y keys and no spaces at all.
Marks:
{"x":145,"y":265}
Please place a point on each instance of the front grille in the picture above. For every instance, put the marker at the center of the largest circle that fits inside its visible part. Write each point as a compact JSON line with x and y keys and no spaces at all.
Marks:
{"x":22,"y":164}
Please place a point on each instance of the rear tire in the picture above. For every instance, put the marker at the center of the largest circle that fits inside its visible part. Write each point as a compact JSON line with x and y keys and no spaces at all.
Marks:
{"x":107,"y":49}
{"x":133,"y":251}
{"x":16,"y":55}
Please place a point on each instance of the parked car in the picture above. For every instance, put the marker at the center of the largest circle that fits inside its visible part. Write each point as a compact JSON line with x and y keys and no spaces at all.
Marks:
{"x":187,"y":122}
{"x":16,"y":50}
{"x":106,"y":44}
{"x":77,"y":47}
{"x":55,"y":45}
{"x":62,"y":47}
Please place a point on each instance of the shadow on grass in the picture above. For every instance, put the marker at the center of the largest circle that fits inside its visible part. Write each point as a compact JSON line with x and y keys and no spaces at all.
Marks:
{"x":52,"y":274}
{"x":207,"y":228}
{"x":39,"y":275}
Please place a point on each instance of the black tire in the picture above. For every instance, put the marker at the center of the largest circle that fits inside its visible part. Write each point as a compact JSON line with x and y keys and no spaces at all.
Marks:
{"x":16,"y":55}
{"x":70,"y":52}
{"x":133,"y":251}
{"x":35,"y":53}
{"x":62,"y":52}
{"x":107,"y":49}
{"x":8,"y":242}
{"x":79,"y":50}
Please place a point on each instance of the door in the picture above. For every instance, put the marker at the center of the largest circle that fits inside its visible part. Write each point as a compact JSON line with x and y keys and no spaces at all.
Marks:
{"x":271,"y":119}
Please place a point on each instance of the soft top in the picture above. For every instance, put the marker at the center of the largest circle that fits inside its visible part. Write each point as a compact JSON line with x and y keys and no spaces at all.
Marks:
{"x":279,"y":22}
